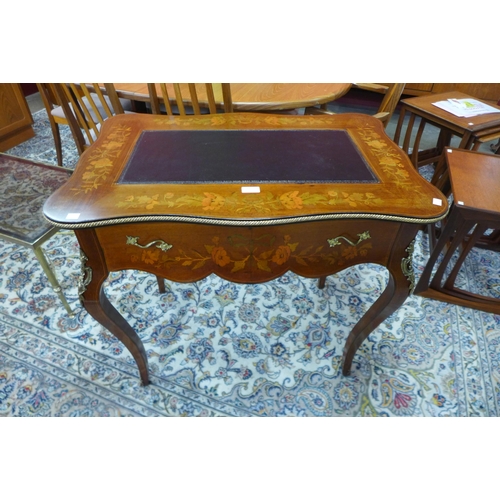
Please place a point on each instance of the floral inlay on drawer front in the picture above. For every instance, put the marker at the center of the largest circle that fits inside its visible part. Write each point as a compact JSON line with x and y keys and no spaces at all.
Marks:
{"x":238,"y":251}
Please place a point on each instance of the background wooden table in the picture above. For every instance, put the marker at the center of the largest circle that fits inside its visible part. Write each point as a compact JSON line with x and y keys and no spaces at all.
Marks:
{"x":255,"y":96}
{"x":423,"y":109}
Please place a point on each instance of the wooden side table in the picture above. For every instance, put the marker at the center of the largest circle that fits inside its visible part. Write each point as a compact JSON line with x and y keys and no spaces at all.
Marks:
{"x":469,"y":129}
{"x":475,"y":183}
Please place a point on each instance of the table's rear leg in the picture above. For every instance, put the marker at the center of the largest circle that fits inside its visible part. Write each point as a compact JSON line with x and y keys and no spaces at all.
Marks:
{"x":161,"y":284}
{"x":397,"y":290}
{"x":94,"y":300}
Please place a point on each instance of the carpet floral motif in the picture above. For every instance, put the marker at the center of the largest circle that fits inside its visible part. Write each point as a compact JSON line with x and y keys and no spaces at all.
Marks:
{"x":217,"y":348}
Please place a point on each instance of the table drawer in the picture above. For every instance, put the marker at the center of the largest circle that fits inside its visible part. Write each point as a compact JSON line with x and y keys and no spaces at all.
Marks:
{"x":188,"y":252}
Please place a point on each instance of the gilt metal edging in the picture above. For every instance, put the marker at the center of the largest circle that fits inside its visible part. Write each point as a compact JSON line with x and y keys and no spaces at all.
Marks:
{"x":244,"y":222}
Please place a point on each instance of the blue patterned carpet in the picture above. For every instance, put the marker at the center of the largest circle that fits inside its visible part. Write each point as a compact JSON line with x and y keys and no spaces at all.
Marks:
{"x":220,"y":349}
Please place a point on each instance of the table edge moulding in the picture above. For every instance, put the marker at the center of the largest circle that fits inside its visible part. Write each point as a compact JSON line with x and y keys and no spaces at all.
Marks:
{"x":246,"y":232}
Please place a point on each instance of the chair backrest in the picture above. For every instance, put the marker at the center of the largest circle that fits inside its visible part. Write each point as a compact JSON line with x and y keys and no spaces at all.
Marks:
{"x":198,"y":97}
{"x":51,"y":103}
{"x":48,"y":95}
{"x":86,"y":107}
{"x":389,"y":102}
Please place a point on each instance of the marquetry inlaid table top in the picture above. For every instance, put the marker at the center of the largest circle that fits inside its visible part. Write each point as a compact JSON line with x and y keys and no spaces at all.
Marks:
{"x":247,"y":197}
{"x":96,"y":194}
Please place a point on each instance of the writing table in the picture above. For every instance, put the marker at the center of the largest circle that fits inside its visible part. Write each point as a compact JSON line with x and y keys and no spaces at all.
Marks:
{"x":248,"y":197}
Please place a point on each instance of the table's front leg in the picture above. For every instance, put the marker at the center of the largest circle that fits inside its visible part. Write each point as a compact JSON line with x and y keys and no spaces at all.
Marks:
{"x":94,"y":300}
{"x":401,"y":284}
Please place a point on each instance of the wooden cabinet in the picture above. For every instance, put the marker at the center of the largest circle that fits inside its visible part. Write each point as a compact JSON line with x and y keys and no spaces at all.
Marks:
{"x":486,"y":91}
{"x":418,"y":87}
{"x":15,"y":117}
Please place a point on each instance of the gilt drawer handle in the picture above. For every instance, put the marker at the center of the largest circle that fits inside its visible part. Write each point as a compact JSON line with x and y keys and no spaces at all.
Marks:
{"x":362,"y":237}
{"x":162,"y":245}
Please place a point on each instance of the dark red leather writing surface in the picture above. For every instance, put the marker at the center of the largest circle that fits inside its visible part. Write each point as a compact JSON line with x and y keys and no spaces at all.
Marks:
{"x":245,"y":156}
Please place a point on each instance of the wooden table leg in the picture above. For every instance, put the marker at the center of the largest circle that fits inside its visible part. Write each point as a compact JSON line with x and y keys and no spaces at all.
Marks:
{"x":399,"y":126}
{"x":400,"y":284}
{"x":407,"y":138}
{"x":94,"y":271}
{"x":104,"y":312}
{"x":94,"y":300}
{"x":416,"y":143}
{"x":461,"y":234}
{"x":438,"y":246}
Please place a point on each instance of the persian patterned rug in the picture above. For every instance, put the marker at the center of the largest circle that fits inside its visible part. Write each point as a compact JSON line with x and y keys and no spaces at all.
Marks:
{"x":220,"y":349}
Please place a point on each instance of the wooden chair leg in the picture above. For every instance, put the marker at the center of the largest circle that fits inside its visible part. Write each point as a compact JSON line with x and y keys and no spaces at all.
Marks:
{"x":57,"y":141}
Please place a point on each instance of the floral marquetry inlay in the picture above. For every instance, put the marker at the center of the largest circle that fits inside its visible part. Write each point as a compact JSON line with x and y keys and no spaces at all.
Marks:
{"x":246,"y":119}
{"x":102,"y":159}
{"x":237,"y":252}
{"x":388,"y":157}
{"x":212,"y":202}
{"x":239,"y":204}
